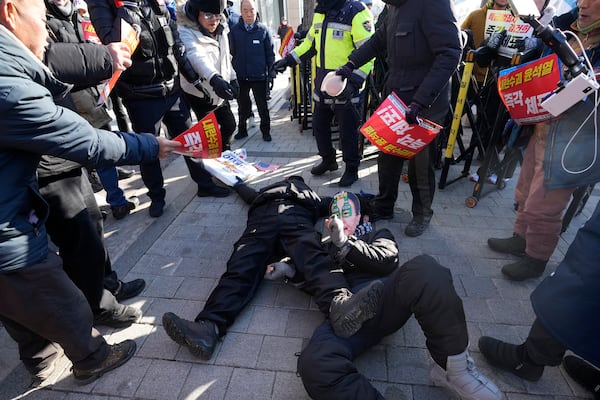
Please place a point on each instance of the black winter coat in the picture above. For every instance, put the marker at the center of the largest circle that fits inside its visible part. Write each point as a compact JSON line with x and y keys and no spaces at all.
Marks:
{"x":252,"y":51}
{"x":422,"y":41}
{"x":84,"y":65}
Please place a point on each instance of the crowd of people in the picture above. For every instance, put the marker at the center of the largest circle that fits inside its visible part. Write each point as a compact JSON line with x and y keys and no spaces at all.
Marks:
{"x":199,"y":56}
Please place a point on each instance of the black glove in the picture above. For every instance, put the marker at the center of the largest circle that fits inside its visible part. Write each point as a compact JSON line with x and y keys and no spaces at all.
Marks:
{"x":412,"y":112}
{"x":285,"y":62}
{"x":345,"y":71}
{"x":235,"y":86}
{"x":221,"y":87}
{"x":202,"y":89}
{"x":353,"y":84}
{"x":495,"y":41}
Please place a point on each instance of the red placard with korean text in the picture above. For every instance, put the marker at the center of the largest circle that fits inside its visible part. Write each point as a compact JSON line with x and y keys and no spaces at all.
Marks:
{"x":524,"y":87}
{"x":388,"y":130}
{"x":202,"y":140}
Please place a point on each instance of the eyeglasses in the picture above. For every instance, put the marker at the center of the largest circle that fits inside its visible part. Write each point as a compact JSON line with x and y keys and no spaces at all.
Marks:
{"x":208,"y":15}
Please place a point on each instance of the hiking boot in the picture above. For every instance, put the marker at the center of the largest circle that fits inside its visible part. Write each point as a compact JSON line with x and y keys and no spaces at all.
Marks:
{"x":462,"y":378}
{"x":526,"y":268}
{"x":414,"y":228}
{"x":583,"y":373}
{"x":506,"y":356}
{"x":199,"y":337}
{"x":122,"y":317}
{"x":349,"y":177}
{"x":213,"y":191}
{"x":118,"y":355}
{"x":120,"y":212}
{"x":326,"y":164}
{"x":349,"y":311}
{"x":156,"y":208}
{"x":127,"y":290}
{"x":123,"y":173}
{"x":514,"y":245}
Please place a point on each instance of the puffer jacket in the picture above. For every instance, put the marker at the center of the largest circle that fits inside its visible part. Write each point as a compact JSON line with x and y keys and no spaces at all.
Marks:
{"x":422,"y":41}
{"x":209,"y":56}
{"x":32,"y":124}
{"x":252,"y":51}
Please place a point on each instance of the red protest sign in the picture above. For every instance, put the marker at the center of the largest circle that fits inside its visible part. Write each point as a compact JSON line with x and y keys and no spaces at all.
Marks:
{"x":388,"y":130}
{"x":287,"y":43}
{"x":524,"y":87}
{"x":202,"y":140}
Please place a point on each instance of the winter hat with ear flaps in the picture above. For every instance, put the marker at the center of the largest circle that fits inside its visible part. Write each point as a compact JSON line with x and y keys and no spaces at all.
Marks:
{"x":193,"y":8}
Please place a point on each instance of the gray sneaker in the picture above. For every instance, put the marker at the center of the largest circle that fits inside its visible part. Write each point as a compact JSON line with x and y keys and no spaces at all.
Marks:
{"x":462,"y":378}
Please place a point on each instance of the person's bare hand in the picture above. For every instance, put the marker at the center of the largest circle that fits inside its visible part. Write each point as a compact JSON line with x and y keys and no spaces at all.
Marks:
{"x":121,"y":56}
{"x":166,"y":146}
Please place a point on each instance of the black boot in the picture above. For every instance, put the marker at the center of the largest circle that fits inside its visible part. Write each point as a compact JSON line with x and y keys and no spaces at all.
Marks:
{"x":526,"y":268}
{"x":583,"y":373}
{"x":118,"y":355}
{"x":509,"y":357}
{"x":349,"y":311}
{"x":199,"y":337}
{"x":513,"y":245}
{"x":349,"y":177}
{"x":326,"y":164}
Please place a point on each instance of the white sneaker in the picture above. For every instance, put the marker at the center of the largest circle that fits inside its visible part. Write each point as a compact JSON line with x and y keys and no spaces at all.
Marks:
{"x":462,"y":378}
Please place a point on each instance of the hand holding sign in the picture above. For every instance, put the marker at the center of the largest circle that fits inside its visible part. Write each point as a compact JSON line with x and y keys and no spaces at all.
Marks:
{"x":389,"y":129}
{"x":202,"y":140}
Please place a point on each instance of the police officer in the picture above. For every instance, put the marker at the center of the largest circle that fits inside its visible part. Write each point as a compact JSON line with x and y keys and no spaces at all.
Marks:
{"x":150,"y":87}
{"x":338,"y":27}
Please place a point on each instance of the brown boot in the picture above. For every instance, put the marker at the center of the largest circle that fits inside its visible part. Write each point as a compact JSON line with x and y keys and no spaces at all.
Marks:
{"x":118,"y":355}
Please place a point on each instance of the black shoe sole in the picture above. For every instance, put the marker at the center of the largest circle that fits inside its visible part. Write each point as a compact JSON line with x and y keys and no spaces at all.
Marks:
{"x":91,"y":378}
{"x":350,"y":323}
{"x":170,"y":326}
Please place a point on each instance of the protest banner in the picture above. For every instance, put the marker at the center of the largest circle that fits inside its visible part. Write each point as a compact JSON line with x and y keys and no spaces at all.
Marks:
{"x":131,"y":37}
{"x":230,"y":168}
{"x":202,"y":140}
{"x":287,"y":43}
{"x":516,"y":29}
{"x":388,"y":130}
{"x":524,"y":87}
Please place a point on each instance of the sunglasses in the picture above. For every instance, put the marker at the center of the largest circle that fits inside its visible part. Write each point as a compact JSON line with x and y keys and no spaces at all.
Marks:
{"x":208,"y":15}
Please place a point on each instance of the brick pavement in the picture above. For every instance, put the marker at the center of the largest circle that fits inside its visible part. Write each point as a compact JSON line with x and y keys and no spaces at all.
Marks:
{"x":183,"y":253}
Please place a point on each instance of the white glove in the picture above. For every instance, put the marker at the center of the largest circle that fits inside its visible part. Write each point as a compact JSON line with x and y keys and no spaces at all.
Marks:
{"x":336,"y":231}
{"x":279,"y":271}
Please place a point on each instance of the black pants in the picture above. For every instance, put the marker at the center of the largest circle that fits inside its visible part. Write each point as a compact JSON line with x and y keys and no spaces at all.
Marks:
{"x":259,"y":90}
{"x":147,"y":115}
{"x":75,"y":226}
{"x":421,"y":178}
{"x":541,"y":348}
{"x":39,"y":305}
{"x":273,"y":229}
{"x":223,"y":114}
{"x":348,"y":119}
{"x":421,"y":287}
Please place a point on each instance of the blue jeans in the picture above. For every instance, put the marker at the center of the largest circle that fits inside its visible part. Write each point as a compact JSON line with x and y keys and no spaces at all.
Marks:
{"x":109,"y":178}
